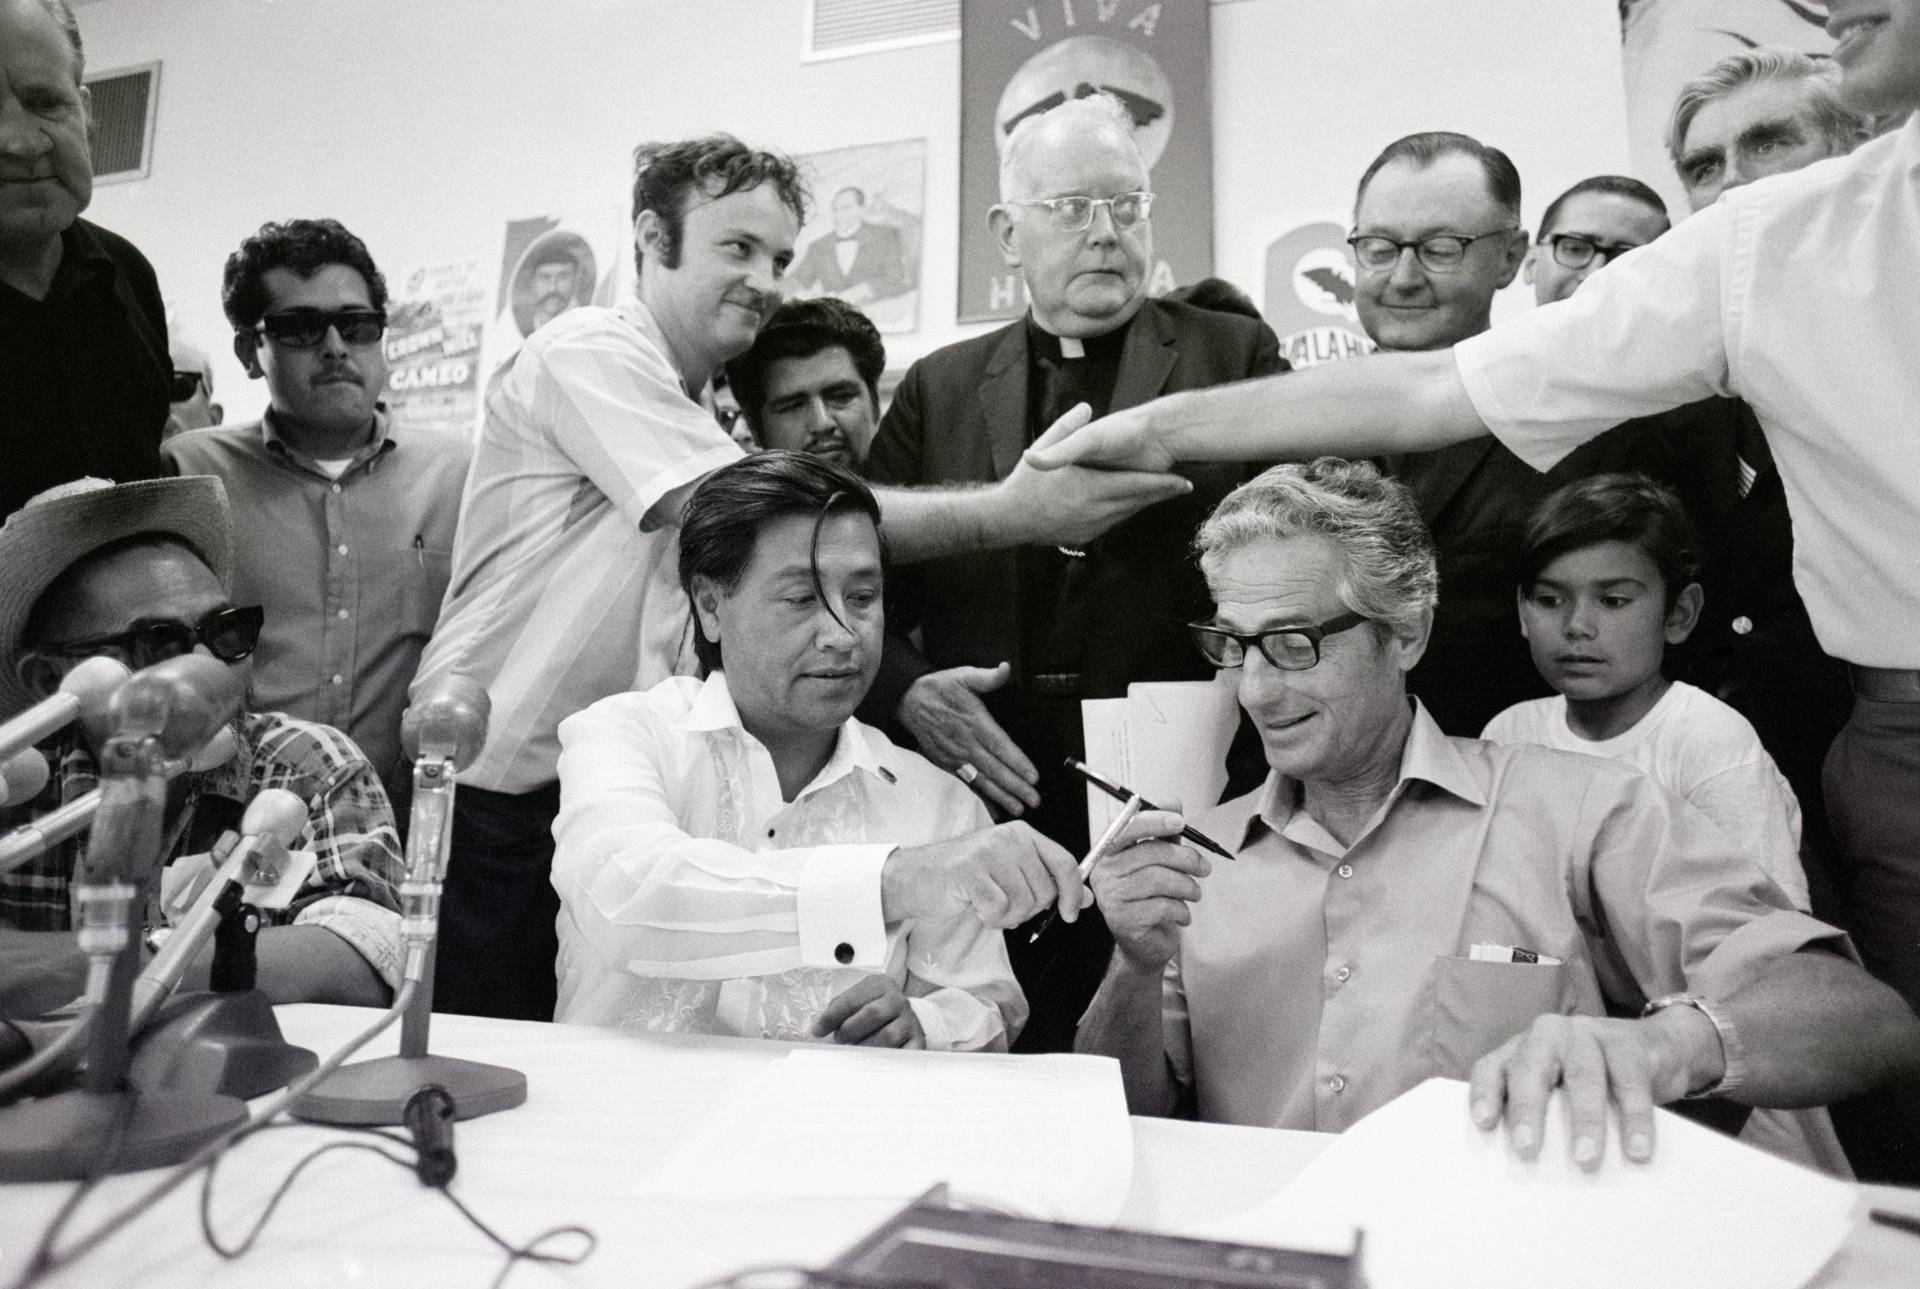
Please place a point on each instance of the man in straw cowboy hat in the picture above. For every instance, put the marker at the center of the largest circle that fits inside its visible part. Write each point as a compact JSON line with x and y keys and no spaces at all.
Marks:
{"x":138,"y":572}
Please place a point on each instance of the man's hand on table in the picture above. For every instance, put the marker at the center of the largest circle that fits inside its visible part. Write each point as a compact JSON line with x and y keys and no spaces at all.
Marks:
{"x":1628,"y":1065}
{"x":943,"y":712}
{"x":1144,"y":885}
{"x":1002,"y":875}
{"x":872,"y":1013}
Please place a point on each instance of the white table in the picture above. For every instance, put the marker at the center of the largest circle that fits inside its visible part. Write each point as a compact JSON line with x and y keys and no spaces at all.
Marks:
{"x":602,"y":1108}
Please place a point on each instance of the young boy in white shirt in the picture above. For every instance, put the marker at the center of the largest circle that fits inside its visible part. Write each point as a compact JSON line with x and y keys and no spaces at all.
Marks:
{"x":1606,"y":584}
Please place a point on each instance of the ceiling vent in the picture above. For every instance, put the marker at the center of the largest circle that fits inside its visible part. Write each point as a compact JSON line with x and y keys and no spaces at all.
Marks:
{"x":843,"y":28}
{"x":123,"y":109}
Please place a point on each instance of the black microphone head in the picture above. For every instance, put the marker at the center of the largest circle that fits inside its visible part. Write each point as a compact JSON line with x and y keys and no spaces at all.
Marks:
{"x":182,"y":701}
{"x":450,"y":720}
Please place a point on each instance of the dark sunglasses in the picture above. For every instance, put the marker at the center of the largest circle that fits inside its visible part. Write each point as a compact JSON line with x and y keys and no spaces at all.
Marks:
{"x":183,"y":386}
{"x":305,"y":328}
{"x":228,"y":634}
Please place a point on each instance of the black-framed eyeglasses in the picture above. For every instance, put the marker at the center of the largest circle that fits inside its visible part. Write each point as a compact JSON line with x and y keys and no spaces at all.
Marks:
{"x":1441,"y":253}
{"x":1288,"y":648}
{"x":228,"y":634}
{"x":1075,"y":214}
{"x":184,"y":385}
{"x":305,"y":328}
{"x":1576,"y":250}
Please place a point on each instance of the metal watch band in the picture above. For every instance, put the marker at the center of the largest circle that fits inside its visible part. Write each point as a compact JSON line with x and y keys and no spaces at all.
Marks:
{"x":1732,"y":1050}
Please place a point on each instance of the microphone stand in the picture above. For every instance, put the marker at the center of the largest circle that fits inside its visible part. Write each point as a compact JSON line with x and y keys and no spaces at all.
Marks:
{"x":105,"y":1124}
{"x":377,"y":1091}
{"x":225,"y":1038}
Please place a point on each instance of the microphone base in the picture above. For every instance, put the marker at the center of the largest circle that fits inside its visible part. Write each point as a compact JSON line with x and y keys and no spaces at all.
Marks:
{"x":65,"y":1137}
{"x":226,"y":1043}
{"x":377,"y":1091}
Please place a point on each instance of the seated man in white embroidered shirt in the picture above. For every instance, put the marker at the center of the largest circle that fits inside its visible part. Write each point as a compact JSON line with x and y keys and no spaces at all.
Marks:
{"x":738,"y":855}
{"x":1406,"y":904}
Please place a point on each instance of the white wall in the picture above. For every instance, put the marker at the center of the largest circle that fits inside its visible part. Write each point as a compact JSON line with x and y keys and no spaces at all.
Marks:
{"x":424,"y":124}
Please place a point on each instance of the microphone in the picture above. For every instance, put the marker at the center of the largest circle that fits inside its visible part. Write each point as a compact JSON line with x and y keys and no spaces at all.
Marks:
{"x":163,"y":714}
{"x":23,"y":776}
{"x":443,"y":734}
{"x":274,"y":819}
{"x":31,"y":840}
{"x":83,"y":694}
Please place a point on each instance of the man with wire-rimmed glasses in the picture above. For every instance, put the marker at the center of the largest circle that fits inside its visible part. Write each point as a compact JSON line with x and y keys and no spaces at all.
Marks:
{"x":1436,"y":235}
{"x":1013,"y":640}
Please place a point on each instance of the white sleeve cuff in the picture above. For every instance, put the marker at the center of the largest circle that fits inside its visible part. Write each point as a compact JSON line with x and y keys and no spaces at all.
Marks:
{"x":838,"y":905}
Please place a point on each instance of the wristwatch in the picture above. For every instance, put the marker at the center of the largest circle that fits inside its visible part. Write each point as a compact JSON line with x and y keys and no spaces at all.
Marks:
{"x":1732,"y":1050}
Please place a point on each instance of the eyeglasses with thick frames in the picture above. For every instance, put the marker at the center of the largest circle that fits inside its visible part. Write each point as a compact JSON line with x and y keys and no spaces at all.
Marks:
{"x":305,"y":328}
{"x":228,"y":634}
{"x":1441,"y":253}
{"x":1288,"y":648}
{"x":1075,"y":214}
{"x":1576,"y":251}
{"x":183,"y":385}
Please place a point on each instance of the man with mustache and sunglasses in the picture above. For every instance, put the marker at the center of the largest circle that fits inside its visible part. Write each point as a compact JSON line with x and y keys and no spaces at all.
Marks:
{"x":345,"y":520}
{"x":138,"y":572}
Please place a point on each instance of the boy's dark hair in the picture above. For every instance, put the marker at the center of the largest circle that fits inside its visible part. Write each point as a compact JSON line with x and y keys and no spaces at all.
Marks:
{"x":666,"y":175}
{"x":304,"y":245}
{"x":800,"y":329}
{"x":721,"y":524}
{"x":1627,"y":508}
{"x":1216,"y":295}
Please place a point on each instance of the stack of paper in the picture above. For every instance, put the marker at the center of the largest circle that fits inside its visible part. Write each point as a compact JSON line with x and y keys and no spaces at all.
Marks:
{"x":1443,"y":1204}
{"x":1166,"y":740}
{"x":1044,"y":1136}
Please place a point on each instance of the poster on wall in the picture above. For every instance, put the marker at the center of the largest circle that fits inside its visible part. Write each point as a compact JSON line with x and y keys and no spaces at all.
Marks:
{"x":435,"y":322}
{"x":1018,"y":58}
{"x":862,"y":239}
{"x":1309,"y":296}
{"x":1666,"y":43}
{"x":550,"y":264}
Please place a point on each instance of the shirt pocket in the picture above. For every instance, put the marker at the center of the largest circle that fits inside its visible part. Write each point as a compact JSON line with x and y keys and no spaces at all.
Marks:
{"x":423,"y":576}
{"x":1476,"y":1006}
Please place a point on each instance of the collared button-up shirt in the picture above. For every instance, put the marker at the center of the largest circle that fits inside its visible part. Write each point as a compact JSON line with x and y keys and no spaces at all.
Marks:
{"x":1798,"y":294}
{"x":354,"y":888}
{"x":559,"y":597}
{"x":693,"y":897}
{"x":350,"y":570}
{"x":83,"y":373}
{"x":1319,"y":981}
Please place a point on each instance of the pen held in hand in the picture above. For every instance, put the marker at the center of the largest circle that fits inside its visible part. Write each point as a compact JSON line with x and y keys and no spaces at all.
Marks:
{"x":1119,"y":793}
{"x":1100,"y":848}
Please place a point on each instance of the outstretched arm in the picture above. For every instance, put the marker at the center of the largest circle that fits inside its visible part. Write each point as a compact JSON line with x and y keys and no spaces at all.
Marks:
{"x":1363,"y":407}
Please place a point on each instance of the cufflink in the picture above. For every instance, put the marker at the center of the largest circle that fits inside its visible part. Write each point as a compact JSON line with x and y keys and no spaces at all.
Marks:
{"x":843,"y":953}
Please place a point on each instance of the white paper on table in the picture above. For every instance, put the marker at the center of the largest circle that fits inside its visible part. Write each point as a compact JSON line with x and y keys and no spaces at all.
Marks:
{"x":1167,"y":740}
{"x":1443,"y":1204}
{"x":1045,"y":1136}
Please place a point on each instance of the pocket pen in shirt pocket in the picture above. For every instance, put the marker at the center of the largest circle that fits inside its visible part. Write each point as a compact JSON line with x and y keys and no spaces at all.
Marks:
{"x":420,"y":549}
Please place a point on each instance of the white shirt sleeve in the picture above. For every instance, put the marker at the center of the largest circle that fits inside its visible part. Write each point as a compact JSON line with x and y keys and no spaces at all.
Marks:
{"x":1645,"y":334}
{"x":670,"y":904}
{"x":1753,"y":804}
{"x":619,"y":412}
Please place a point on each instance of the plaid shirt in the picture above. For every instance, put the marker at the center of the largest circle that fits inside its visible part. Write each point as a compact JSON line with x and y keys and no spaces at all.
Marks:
{"x":354,"y":889}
